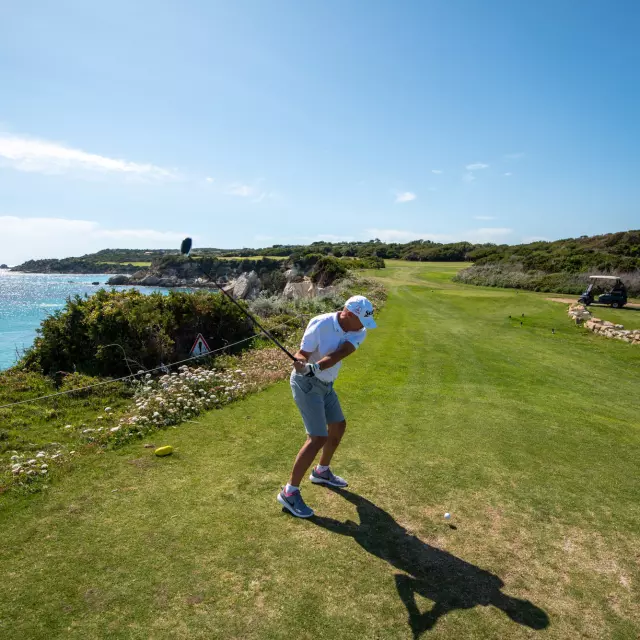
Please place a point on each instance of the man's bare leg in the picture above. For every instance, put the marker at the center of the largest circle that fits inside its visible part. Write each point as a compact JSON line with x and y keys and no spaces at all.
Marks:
{"x":336,"y":431}
{"x":306,"y":456}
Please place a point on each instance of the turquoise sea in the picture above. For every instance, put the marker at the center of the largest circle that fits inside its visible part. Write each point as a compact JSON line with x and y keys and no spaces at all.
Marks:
{"x":27,"y":298}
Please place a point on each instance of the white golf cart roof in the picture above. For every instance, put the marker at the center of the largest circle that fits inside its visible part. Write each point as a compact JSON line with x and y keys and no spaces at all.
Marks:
{"x":604,"y":278}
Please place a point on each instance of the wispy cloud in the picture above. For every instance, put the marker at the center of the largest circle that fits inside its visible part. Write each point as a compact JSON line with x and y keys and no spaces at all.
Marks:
{"x":405,"y":196}
{"x":514,"y":156}
{"x":255,"y":192}
{"x":241,"y":190}
{"x":476,"y":166}
{"x":508,"y":174}
{"x":26,"y":238}
{"x":468,"y":177}
{"x":484,"y":217}
{"x":437,"y":171}
{"x":209,"y":179}
{"x":41,"y":156}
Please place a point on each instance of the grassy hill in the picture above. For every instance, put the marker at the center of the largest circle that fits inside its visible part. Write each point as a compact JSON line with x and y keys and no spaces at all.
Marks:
{"x":452,"y":406}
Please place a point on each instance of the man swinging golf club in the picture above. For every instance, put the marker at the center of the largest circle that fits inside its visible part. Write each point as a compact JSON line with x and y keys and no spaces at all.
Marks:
{"x":328,"y":339}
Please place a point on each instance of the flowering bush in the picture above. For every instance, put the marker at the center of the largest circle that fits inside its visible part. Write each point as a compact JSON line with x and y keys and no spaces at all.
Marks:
{"x":30,"y":473}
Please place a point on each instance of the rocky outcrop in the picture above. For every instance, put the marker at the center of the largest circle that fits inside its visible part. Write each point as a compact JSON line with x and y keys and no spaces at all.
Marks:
{"x":582,"y":316}
{"x":294,"y":275}
{"x":118,"y":280}
{"x":306,"y":289}
{"x":245,"y":287}
{"x":4,"y":266}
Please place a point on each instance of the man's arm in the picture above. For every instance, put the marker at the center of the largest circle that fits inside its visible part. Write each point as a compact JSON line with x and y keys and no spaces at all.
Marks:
{"x":324,"y":363}
{"x":339,"y":354}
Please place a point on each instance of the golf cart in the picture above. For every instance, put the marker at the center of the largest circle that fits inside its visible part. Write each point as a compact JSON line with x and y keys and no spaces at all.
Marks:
{"x":614,"y":292}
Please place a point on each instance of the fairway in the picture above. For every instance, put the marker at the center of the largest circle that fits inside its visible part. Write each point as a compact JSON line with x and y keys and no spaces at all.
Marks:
{"x":462,"y":401}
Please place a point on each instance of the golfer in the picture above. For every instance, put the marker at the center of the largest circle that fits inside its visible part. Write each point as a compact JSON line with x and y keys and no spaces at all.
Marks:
{"x":328,"y":339}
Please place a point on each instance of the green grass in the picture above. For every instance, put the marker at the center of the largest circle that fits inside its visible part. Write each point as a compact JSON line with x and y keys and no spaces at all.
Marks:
{"x":30,"y":427}
{"x":530,"y":439}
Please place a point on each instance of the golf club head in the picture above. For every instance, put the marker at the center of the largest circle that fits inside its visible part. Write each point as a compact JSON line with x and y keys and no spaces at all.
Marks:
{"x":185,"y":247}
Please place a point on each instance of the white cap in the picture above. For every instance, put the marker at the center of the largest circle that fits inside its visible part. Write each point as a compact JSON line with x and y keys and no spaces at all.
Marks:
{"x":361,"y":307}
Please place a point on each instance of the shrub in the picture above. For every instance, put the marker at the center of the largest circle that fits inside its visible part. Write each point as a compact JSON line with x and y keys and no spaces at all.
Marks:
{"x":92,"y":335}
{"x":327,"y":270}
{"x":514,"y":276}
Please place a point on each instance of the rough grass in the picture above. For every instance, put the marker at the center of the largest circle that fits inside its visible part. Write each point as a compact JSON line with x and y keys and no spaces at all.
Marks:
{"x":530,"y":439}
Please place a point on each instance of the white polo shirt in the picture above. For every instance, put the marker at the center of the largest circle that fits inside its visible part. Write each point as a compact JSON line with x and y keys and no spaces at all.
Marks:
{"x":323,"y":336}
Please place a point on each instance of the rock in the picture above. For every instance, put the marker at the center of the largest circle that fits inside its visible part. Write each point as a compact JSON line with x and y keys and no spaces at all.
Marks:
{"x":293,"y":275}
{"x":95,"y":283}
{"x":118,"y":280}
{"x":618,"y":326}
{"x":150,"y":281}
{"x":172,"y":281}
{"x":295,"y":290}
{"x":246,"y":287}
{"x":4,"y":266}
{"x":138,"y":275}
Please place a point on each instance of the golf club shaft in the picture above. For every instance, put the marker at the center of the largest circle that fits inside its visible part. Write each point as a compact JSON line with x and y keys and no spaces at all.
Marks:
{"x":246,"y":313}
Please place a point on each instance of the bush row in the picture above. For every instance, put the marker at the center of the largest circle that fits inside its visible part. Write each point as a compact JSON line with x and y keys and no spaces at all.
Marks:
{"x":516,"y":277}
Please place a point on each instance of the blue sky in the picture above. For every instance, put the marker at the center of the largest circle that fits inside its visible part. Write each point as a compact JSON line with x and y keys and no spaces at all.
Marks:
{"x":248,"y":123}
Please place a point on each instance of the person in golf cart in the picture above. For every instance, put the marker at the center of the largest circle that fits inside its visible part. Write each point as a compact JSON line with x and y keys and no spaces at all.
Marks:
{"x":328,"y":339}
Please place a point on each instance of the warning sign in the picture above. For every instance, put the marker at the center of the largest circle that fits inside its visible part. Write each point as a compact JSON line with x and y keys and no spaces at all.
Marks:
{"x":200,"y":346}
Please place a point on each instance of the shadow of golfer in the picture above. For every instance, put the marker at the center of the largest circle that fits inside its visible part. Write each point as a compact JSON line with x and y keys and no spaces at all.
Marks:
{"x":451,"y":583}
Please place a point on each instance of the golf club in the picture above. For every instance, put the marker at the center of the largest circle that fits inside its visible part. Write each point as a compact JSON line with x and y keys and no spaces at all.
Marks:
{"x":185,"y":249}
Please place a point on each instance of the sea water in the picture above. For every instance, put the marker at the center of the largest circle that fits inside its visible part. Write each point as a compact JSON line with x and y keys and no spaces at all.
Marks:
{"x":26,"y":299}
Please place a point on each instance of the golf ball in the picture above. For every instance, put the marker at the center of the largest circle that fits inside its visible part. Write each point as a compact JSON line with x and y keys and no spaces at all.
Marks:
{"x":447,"y":516}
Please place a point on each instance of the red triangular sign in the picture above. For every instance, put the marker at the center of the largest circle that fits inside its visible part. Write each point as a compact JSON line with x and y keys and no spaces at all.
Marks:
{"x":200,"y":346}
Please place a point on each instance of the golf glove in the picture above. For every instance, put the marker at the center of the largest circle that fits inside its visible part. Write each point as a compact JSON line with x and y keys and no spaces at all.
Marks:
{"x":311,"y":368}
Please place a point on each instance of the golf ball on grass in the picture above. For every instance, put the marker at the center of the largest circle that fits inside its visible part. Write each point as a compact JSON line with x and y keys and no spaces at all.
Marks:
{"x":447,"y":516}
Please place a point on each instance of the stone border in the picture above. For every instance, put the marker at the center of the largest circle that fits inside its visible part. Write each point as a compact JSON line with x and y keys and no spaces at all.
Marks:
{"x":582,"y":316}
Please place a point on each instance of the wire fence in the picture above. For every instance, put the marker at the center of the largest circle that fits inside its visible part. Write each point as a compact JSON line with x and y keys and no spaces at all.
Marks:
{"x":162,"y":367}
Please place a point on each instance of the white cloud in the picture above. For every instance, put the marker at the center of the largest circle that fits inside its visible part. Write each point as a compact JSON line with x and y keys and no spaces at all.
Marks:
{"x":437,"y":171}
{"x":514,"y":156}
{"x":254,"y":192}
{"x":405,"y":196}
{"x":209,"y":179}
{"x":476,"y":166}
{"x":241,"y":190}
{"x":30,"y":238}
{"x":484,"y":217}
{"x":468,"y":177}
{"x":41,"y":156}
{"x":508,"y":173}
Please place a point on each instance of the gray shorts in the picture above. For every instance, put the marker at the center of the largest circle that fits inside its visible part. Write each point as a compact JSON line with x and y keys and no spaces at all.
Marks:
{"x":318,"y":403}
